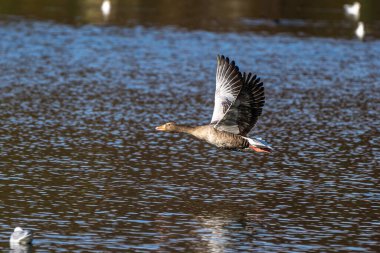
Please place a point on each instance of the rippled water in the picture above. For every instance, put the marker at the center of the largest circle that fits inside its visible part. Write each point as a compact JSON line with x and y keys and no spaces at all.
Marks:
{"x":82,"y":165}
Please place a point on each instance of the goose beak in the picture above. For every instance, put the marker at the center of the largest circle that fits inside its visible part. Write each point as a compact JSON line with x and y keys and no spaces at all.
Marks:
{"x":160,"y":128}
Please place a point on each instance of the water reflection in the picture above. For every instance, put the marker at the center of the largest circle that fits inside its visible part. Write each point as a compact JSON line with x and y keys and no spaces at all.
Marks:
{"x":214,"y":233}
{"x":303,"y":18}
{"x":238,"y":231}
{"x":18,"y":248}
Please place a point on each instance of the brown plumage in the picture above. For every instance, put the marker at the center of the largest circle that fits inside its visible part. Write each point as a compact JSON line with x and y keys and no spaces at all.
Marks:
{"x":208,"y":133}
{"x":239,"y":99}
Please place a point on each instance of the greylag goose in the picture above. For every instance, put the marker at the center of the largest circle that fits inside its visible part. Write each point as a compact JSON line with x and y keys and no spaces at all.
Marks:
{"x":239,"y":99}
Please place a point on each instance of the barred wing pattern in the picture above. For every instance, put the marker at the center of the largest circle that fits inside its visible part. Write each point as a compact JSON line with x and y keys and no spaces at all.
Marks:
{"x":229,"y":82}
{"x":245,"y":111}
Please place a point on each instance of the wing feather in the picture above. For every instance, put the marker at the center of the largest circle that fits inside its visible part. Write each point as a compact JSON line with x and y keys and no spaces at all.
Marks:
{"x":243,"y":114}
{"x":228,"y":85}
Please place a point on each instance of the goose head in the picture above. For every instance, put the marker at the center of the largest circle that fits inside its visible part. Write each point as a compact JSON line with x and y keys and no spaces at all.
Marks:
{"x":168,"y":127}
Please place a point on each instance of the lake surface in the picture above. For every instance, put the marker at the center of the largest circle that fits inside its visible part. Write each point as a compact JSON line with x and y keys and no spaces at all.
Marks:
{"x":82,"y":165}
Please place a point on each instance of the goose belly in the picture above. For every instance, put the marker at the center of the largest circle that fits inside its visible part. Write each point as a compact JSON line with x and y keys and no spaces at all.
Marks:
{"x":226,"y":140}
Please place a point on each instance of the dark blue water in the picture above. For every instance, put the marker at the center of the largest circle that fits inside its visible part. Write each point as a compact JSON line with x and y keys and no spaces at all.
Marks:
{"x":82,"y":165}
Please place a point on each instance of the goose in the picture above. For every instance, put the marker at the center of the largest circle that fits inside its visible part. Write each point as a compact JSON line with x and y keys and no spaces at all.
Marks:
{"x":352,"y":10}
{"x":21,"y":236}
{"x":239,"y":99}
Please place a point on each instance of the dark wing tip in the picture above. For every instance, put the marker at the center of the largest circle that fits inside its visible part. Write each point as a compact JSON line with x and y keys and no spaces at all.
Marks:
{"x":221,"y":57}
{"x":255,"y":87}
{"x":226,"y":62}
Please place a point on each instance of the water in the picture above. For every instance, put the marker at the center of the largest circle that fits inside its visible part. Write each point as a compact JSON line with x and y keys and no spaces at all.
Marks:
{"x":82,"y":165}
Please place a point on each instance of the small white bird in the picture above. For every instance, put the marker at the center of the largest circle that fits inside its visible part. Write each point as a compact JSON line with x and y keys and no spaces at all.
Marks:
{"x":360,"y":32}
{"x":352,"y":10}
{"x":20,"y":236}
{"x":106,"y":8}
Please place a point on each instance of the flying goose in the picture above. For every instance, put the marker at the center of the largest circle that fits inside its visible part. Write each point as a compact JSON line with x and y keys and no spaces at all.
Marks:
{"x":239,"y":99}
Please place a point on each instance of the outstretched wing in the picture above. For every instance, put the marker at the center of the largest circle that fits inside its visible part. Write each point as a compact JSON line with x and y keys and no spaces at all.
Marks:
{"x":244,"y":113}
{"x":229,"y":82}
